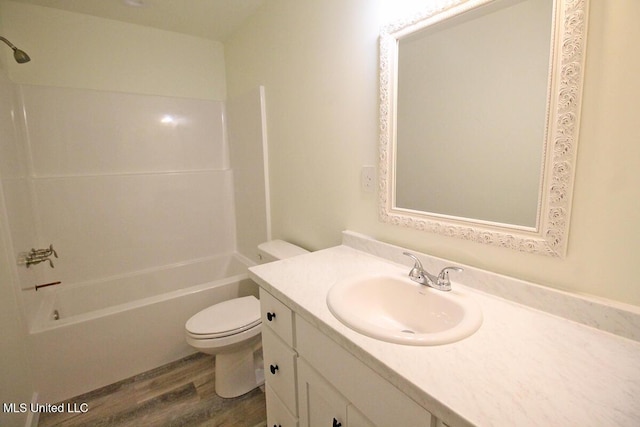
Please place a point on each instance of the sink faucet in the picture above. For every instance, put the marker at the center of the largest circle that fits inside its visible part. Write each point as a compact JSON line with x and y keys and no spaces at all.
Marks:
{"x":422,"y":276}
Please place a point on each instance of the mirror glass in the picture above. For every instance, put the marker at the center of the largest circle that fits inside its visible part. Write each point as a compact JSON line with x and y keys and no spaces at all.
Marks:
{"x":470,"y":127}
{"x":479,"y":120}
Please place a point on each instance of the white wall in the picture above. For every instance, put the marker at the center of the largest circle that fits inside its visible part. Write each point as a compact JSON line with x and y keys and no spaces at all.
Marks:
{"x":81,"y":51}
{"x":247,"y":151}
{"x":318,"y":62}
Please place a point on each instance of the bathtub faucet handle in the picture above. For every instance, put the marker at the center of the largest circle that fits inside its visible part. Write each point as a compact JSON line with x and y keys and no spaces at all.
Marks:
{"x":36,"y":256}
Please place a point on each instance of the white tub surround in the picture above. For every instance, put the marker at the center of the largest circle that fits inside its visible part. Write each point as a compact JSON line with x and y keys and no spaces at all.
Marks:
{"x":119,"y":183}
{"x":576,"y":364}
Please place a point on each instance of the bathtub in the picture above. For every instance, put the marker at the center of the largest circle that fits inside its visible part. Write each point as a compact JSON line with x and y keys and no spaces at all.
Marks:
{"x":89,"y":335}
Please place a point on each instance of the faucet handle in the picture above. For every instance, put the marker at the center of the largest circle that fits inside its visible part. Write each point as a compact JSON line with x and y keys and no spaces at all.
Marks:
{"x":443,"y":277}
{"x":414,"y":258}
{"x":417,"y":272}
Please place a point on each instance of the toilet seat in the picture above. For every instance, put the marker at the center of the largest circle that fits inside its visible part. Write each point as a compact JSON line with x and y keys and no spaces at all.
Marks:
{"x":225,"y":319}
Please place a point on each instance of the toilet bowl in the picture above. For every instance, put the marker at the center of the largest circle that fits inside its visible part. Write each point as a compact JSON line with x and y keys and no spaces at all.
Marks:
{"x":230,"y":330}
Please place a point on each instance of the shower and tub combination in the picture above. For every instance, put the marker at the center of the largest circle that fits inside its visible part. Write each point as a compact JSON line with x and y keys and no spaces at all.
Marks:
{"x":136,"y":194}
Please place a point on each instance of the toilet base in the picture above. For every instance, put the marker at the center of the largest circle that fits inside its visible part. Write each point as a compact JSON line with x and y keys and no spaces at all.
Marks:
{"x":238,"y":373}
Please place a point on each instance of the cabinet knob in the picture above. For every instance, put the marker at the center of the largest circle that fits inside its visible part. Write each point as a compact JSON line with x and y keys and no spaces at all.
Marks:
{"x":271,"y":316}
{"x":273,"y":369}
{"x":336,"y":423}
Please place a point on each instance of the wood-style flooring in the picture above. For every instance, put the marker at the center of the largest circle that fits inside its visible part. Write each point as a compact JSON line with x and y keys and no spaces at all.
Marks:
{"x":178,"y":394}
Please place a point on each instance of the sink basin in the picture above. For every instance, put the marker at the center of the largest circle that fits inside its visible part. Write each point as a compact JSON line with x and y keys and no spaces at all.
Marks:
{"x":398,"y":310}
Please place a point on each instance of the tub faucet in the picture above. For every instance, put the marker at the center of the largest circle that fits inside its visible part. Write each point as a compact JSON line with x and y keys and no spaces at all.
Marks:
{"x":420,"y":275}
{"x":36,"y":256}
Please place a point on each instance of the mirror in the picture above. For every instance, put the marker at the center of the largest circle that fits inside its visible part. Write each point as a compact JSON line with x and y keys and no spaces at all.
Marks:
{"x":479,"y":115}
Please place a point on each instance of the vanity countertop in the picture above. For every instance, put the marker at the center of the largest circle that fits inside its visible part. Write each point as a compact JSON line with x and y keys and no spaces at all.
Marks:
{"x":523,"y":367}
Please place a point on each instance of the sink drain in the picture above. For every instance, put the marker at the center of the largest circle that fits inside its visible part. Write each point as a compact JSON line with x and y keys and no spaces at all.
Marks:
{"x":407,"y":331}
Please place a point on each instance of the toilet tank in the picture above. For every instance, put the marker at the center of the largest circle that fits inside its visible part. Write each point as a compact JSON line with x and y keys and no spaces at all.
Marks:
{"x":274,"y":250}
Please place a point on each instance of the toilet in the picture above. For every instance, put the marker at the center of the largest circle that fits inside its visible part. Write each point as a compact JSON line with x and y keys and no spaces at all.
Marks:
{"x":230,"y":330}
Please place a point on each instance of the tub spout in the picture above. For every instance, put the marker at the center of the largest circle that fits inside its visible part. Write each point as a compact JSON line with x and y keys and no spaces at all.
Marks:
{"x":46,"y":284}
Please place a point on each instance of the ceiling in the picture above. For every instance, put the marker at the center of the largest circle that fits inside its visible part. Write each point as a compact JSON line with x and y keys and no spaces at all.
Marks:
{"x":211,"y":19}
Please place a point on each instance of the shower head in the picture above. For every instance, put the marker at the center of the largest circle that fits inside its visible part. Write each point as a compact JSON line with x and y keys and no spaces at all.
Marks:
{"x":19,"y":55}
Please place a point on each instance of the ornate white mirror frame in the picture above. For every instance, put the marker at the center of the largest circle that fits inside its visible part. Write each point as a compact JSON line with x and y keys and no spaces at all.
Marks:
{"x":549,"y":236}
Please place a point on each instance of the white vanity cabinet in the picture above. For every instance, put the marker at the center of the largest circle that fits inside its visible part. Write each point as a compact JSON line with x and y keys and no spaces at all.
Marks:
{"x":313,"y":382}
{"x":481,"y":380}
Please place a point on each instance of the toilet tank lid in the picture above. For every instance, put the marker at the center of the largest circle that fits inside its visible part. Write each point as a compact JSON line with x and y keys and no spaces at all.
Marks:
{"x":279,"y":249}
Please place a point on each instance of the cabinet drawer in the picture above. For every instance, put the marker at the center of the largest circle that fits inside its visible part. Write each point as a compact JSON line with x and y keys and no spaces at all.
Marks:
{"x":358,"y":383}
{"x":280,"y":368}
{"x":277,"y":413}
{"x":277,"y":316}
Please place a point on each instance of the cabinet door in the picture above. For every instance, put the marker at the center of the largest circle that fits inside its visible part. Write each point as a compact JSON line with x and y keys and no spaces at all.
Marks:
{"x":373,"y":395}
{"x":320,"y":404}
{"x":277,"y":413}
{"x":355,"y":418}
